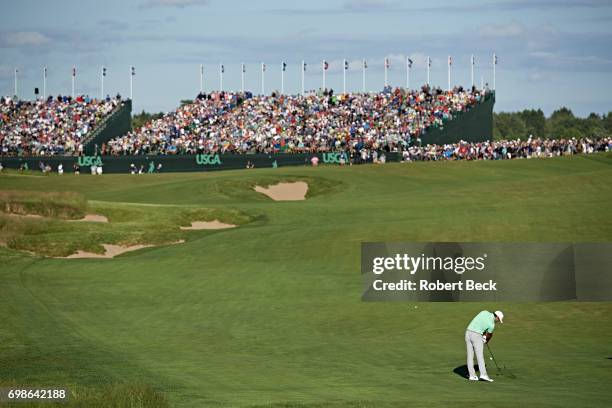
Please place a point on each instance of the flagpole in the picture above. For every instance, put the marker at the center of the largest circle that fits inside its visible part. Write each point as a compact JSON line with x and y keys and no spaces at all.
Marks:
{"x":44,"y":82}
{"x":303,"y":69}
{"x":323,"y":67}
{"x":344,"y":76}
{"x":242,"y":77}
{"x":472,"y":69}
{"x":16,"y":71}
{"x":131,"y":82}
{"x":102,"y":83}
{"x":428,"y":66}
{"x":407,"y":73}
{"x":386,"y":73}
{"x":283,"y":78}
{"x":73,"y":80}
{"x":494,"y":65}
{"x":201,"y":78}
{"x":449,"y":72}
{"x":220,"y":77}
{"x":263,"y":74}
{"x":363,"y":84}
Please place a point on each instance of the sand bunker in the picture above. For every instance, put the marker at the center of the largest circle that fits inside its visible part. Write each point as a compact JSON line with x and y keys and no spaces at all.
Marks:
{"x":208,"y":225}
{"x":110,"y":251}
{"x":285,"y":191}
{"x":92,"y":218}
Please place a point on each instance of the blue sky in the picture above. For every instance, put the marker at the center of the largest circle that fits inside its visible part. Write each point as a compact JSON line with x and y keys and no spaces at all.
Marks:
{"x":551,"y":53}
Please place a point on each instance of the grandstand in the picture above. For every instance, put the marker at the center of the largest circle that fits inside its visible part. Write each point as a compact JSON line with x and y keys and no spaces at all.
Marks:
{"x":232,"y":130}
{"x":225,"y":122}
{"x":60,"y":126}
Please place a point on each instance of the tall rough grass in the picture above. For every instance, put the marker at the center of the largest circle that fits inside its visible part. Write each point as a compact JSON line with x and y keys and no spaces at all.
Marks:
{"x":64,"y":205}
{"x":105,"y":396}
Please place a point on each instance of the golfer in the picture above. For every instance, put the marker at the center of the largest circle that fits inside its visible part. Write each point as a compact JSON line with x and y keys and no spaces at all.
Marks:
{"x":479,"y":331}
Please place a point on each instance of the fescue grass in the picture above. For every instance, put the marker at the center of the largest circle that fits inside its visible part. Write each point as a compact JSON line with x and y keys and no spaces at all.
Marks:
{"x":269,"y":314}
{"x":128,"y":225}
{"x":63,"y":205}
{"x":107,"y":396}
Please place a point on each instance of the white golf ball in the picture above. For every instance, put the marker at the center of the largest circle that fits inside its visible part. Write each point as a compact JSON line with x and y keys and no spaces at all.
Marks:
{"x":490,"y":358}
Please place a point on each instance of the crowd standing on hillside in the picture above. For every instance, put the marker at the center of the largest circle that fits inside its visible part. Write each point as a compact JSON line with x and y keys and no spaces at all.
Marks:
{"x":52,"y":126}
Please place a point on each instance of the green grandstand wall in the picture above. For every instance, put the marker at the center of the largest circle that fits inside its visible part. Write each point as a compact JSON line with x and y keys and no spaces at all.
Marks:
{"x":116,"y":124}
{"x":475,"y":125}
{"x":179,"y":163}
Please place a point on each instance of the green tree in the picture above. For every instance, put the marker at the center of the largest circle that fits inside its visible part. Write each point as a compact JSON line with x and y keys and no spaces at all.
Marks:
{"x":508,"y":126}
{"x":563,"y":124}
{"x":535,"y":122}
{"x":142,"y":118}
{"x":606,"y":123}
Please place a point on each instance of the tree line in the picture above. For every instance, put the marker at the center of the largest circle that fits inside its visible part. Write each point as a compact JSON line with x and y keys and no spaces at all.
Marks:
{"x":560,"y":124}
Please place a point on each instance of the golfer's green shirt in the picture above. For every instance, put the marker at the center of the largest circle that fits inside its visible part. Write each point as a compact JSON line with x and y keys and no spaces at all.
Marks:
{"x":483,"y":322}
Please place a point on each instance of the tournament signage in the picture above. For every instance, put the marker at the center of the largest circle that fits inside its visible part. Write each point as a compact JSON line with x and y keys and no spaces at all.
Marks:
{"x":471,"y":271}
{"x":333,"y":157}
{"x":208,"y":159}
{"x":90,"y":161}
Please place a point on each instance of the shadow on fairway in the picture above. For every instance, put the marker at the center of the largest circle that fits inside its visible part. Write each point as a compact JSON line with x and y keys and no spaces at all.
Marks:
{"x":462,"y":371}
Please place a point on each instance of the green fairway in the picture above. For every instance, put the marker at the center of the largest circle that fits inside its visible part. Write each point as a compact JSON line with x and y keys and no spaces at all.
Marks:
{"x":269,"y":313}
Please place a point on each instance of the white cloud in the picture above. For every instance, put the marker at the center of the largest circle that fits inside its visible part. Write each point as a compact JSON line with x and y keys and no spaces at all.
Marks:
{"x":513,"y":29}
{"x":172,"y":3}
{"x":23,"y":39}
{"x":368,"y":5}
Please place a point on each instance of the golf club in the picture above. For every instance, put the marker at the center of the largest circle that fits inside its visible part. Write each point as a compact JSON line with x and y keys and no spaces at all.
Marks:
{"x":505,"y":371}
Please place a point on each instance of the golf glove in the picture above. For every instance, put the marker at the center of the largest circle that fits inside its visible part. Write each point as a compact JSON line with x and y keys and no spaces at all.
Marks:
{"x":484,"y":338}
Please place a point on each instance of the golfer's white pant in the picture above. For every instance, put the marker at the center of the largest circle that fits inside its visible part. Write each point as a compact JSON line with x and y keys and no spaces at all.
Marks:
{"x":474,"y":342}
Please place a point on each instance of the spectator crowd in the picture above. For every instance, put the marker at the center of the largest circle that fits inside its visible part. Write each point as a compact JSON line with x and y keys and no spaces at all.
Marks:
{"x":363,"y":126}
{"x":507,"y":149}
{"x":224,"y":122}
{"x":52,"y":126}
